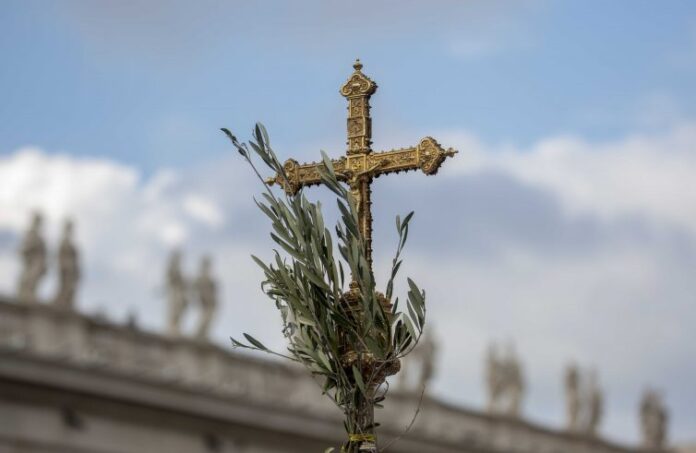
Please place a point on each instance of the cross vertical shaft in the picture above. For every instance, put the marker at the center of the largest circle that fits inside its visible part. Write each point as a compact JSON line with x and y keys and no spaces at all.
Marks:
{"x":358,"y":90}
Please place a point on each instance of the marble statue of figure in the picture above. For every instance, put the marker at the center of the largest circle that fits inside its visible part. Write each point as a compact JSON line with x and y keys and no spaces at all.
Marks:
{"x":33,"y":256}
{"x":653,"y":420}
{"x":428,"y":354}
{"x":514,"y":382}
{"x":405,"y":377}
{"x":176,"y":294}
{"x":504,"y":381}
{"x":206,"y":291}
{"x":68,"y":268}
{"x":595,"y":406}
{"x":419,"y":366}
{"x":493,"y":375}
{"x":572,"y":391}
{"x":660,"y":421}
{"x":662,"y":418}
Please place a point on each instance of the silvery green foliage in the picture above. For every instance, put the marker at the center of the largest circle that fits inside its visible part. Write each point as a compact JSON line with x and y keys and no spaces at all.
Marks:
{"x":307,"y":279}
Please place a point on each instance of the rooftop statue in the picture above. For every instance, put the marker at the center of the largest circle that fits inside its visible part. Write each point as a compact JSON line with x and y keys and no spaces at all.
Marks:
{"x":572,"y":394}
{"x":493,"y":382}
{"x":429,"y":354}
{"x":514,"y":380}
{"x":33,"y":257}
{"x":177,"y":300}
{"x":419,"y":367}
{"x":68,"y":268}
{"x":653,"y":420}
{"x":504,"y":382}
{"x":206,"y":292}
{"x":595,"y":406}
{"x":584,"y":401}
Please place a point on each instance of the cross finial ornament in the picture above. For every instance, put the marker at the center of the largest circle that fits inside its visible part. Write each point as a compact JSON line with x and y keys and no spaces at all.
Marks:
{"x":361,"y":165}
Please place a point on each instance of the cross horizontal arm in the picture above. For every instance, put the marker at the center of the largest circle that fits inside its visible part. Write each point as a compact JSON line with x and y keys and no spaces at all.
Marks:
{"x":427,"y":156}
{"x":304,"y":175}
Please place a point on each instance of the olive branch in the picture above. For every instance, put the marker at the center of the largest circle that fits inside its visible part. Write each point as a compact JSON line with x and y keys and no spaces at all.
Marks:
{"x":308,"y":282}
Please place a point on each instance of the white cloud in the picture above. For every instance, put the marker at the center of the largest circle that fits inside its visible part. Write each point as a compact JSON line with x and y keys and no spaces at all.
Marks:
{"x":204,"y":210}
{"x":59,"y":186}
{"x":647,"y":176}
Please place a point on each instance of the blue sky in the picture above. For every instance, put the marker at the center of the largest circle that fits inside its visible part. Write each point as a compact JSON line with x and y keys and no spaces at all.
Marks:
{"x":566,"y":223}
{"x":147,"y":85}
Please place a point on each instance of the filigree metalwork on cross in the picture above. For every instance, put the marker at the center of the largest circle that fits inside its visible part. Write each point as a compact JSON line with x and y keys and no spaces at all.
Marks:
{"x":361,"y":165}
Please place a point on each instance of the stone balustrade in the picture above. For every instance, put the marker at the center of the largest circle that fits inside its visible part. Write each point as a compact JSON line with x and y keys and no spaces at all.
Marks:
{"x":90,"y":344}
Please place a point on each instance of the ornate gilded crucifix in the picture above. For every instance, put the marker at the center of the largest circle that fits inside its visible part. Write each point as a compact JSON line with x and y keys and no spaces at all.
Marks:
{"x":360,"y":165}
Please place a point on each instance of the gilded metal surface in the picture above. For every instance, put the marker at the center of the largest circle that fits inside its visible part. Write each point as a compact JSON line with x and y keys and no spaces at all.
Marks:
{"x":361,"y":165}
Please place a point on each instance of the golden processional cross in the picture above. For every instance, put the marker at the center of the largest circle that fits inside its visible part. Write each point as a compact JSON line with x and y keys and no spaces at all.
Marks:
{"x":360,"y":165}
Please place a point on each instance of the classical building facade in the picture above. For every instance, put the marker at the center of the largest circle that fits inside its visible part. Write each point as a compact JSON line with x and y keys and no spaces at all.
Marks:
{"x":71,"y":383}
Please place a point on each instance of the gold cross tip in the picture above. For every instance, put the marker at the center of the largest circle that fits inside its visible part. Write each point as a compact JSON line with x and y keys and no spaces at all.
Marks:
{"x":358,"y":84}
